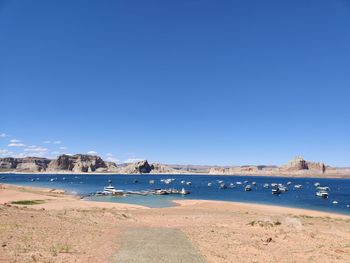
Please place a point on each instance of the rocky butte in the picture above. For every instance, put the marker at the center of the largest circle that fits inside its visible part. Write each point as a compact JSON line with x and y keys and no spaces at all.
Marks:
{"x":83,"y":163}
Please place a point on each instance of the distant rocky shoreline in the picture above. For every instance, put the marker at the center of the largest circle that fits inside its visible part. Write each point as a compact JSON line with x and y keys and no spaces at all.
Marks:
{"x":83,"y":163}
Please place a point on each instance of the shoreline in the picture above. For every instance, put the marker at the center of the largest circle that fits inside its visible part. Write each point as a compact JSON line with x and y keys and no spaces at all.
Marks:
{"x":77,"y":201}
{"x":64,"y":228}
{"x":315,"y":176}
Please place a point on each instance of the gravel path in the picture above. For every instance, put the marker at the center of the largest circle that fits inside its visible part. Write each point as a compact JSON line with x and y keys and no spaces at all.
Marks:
{"x":166,"y":245}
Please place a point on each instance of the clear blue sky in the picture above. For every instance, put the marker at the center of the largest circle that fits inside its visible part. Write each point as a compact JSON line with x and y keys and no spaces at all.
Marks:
{"x":202,"y":82}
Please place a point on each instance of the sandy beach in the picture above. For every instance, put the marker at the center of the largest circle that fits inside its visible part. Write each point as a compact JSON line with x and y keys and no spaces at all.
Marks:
{"x":62,"y":228}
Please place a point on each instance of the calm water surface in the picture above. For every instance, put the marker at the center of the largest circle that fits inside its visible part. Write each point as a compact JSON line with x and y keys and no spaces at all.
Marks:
{"x":301,"y":198}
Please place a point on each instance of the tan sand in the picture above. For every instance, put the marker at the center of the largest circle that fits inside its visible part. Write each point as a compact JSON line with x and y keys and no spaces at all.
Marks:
{"x":73,"y":230}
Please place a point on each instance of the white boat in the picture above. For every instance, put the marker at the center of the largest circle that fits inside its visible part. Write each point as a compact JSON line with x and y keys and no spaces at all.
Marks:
{"x":184,"y":192}
{"x":298,"y":186}
{"x":248,"y":188}
{"x":161,"y":192}
{"x":223,"y":186}
{"x":266,"y":185}
{"x":110,"y":190}
{"x":253,"y":183}
{"x":239,"y":183}
{"x":289,"y":183}
{"x":232,"y":185}
{"x":317,"y":184}
{"x":323,"y":194}
{"x":335,"y":202}
{"x":323,"y":188}
{"x":210,"y":184}
{"x":167,"y":181}
{"x":275,"y":191}
{"x":183,"y":181}
{"x":282,"y":188}
{"x":151,"y":181}
{"x":188,"y":183}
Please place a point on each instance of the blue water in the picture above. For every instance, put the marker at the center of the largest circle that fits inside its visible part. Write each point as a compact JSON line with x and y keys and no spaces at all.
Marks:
{"x":301,"y":198}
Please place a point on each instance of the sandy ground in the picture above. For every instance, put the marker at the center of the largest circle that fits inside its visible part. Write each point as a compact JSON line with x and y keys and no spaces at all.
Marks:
{"x":67,"y":229}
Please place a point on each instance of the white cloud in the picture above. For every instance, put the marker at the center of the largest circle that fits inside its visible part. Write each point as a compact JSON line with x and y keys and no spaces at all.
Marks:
{"x":92,"y":152}
{"x":63,"y":148}
{"x":35,"y":149}
{"x":5,"y":152}
{"x":20,"y":155}
{"x":112,"y":159}
{"x":15,"y":141}
{"x":133,"y":160}
{"x":3,"y":135}
{"x":16,"y":145}
{"x":109,"y":154}
{"x":46,"y":141}
{"x":56,"y":142}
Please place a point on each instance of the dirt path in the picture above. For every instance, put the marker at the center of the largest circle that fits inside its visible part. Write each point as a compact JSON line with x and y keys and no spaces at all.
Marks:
{"x":147,"y":244}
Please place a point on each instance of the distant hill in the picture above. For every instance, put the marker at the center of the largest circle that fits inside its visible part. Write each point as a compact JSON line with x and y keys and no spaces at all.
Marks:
{"x":83,"y":163}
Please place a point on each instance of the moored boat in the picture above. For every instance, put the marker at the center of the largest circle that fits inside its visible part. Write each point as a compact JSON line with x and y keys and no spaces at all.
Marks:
{"x":275,"y":191}
{"x":184,"y":192}
{"x":322,"y":194}
{"x":248,"y":188}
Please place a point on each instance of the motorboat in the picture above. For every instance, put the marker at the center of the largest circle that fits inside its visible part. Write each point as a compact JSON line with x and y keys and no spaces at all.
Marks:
{"x":266,"y":185}
{"x":167,"y":181}
{"x":161,"y":192}
{"x":210,"y":184}
{"x":298,"y":186}
{"x":248,"y":188}
{"x":184,"y":192}
{"x":275,"y":191}
{"x":151,"y":181}
{"x":317,"y":184}
{"x":322,"y":194}
{"x":282,"y":188}
{"x":223,"y":186}
{"x":323,"y":188}
{"x":110,"y":190}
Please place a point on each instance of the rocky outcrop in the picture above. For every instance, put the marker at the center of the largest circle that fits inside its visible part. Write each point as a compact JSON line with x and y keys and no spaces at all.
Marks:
{"x":111,"y":167}
{"x":82,"y":163}
{"x":8,"y":163}
{"x":299,"y":164}
{"x":78,"y":163}
{"x":145,"y":167}
{"x":138,"y":167}
{"x":164,"y":169}
{"x":27,"y":164}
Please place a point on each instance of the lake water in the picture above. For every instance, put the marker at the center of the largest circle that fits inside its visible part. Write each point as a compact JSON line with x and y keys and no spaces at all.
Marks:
{"x":300,"y":198}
